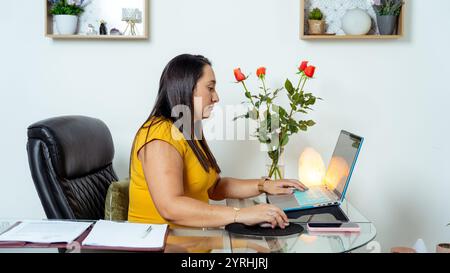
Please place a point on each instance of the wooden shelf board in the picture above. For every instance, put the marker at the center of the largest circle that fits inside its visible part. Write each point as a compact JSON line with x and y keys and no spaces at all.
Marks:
{"x":96,"y":37}
{"x":354,"y":37}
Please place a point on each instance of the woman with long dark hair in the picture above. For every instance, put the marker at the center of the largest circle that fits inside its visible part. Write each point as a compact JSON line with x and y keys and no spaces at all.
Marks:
{"x":172,"y":170}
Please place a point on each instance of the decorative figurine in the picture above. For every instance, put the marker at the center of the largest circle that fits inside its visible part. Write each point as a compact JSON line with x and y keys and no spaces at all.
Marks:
{"x":103,"y":30}
{"x":115,"y":31}
{"x":91,"y":30}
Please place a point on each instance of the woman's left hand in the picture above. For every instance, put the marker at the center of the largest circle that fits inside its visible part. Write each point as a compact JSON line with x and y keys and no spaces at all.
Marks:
{"x":283,"y":186}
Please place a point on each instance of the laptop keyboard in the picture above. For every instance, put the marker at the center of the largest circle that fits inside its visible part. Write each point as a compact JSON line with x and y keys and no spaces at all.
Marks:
{"x":311,"y":197}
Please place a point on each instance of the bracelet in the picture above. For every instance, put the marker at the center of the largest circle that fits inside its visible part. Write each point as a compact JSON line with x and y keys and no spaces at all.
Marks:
{"x":261,"y":184}
{"x":236,"y":210}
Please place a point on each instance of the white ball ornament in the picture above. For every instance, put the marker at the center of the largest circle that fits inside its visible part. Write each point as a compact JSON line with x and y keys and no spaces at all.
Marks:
{"x":356,"y":22}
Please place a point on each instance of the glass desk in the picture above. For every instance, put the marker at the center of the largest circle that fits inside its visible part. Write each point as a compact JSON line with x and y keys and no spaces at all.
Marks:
{"x":306,"y":242}
{"x":218,"y":240}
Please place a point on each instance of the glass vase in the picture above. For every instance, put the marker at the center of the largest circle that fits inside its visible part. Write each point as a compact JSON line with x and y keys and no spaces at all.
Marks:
{"x":275,"y":165}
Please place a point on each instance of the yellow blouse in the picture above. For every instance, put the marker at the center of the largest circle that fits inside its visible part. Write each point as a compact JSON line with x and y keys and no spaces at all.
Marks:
{"x":196,"y":181}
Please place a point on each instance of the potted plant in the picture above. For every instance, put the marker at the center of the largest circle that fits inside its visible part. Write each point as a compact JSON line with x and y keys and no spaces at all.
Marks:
{"x":387,"y":12}
{"x":66,"y":14}
{"x":275,"y":124}
{"x":316,"y":22}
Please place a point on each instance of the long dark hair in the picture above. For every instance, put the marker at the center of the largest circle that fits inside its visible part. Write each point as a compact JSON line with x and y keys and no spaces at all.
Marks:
{"x":176,"y":87}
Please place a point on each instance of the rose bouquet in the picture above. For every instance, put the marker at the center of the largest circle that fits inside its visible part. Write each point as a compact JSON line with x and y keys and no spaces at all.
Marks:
{"x":276,"y":124}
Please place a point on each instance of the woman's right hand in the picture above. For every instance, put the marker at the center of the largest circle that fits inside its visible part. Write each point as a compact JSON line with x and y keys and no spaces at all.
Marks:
{"x":263,"y":213}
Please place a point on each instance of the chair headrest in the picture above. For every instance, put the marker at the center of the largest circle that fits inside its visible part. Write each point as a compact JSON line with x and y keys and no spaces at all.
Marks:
{"x":77,"y":145}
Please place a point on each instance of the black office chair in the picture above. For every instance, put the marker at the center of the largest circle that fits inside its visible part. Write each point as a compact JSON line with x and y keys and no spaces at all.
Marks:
{"x":70,"y":159}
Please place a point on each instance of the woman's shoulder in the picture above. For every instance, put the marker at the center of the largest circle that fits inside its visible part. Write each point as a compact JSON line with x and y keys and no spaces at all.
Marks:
{"x":157,"y":123}
{"x":161,"y":125}
{"x":162,"y":129}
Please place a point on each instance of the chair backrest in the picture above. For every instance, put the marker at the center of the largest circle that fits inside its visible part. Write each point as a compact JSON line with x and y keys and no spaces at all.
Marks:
{"x":70,"y":159}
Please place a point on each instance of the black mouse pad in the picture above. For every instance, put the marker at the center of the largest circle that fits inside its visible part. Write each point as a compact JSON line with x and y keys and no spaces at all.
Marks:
{"x":260,"y":231}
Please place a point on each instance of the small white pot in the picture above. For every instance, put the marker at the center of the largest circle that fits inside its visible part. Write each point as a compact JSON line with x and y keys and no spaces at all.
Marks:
{"x":66,"y":24}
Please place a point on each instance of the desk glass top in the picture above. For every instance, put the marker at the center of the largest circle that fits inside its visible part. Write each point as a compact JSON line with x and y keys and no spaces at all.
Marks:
{"x":218,"y":240}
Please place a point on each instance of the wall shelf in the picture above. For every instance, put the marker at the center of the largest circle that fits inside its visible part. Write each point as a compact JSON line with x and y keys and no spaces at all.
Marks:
{"x":110,"y":11}
{"x":95,"y":37}
{"x":341,"y":36}
{"x":350,"y":37}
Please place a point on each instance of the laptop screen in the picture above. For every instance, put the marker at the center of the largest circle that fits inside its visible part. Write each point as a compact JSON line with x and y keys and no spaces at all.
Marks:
{"x":342,"y":162}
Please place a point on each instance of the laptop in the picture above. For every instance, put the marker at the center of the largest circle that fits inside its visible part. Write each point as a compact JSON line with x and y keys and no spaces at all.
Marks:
{"x":335,"y":183}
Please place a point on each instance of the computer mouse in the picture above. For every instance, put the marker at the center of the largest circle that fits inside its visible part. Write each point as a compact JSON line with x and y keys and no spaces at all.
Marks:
{"x":265,"y":225}
{"x":269,"y":225}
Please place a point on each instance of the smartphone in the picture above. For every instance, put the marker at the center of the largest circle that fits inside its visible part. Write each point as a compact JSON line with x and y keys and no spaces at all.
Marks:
{"x":333,"y":227}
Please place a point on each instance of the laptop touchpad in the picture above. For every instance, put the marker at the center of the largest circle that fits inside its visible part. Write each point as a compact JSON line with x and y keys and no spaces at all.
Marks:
{"x":283,"y":201}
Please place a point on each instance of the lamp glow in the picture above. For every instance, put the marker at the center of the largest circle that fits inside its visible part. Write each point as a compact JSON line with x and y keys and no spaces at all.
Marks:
{"x":311,"y":169}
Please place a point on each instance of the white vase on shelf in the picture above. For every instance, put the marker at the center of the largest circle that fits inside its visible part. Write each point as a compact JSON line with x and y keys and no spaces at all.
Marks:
{"x":66,"y":24}
{"x":356,"y":22}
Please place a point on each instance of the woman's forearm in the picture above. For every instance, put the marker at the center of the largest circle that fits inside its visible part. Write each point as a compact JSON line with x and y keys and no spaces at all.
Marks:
{"x":186,"y":211}
{"x":228,"y":187}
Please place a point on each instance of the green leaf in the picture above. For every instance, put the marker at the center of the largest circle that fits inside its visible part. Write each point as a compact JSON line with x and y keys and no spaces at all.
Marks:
{"x":310,"y":123}
{"x":241,"y":116}
{"x":284,"y":140}
{"x":282,"y":112}
{"x":289,"y":87}
{"x":292,"y":122}
{"x":248,"y":95}
{"x":311,"y":101}
{"x":63,"y":8}
{"x":303,"y":127}
{"x":293,"y":127}
{"x":253,"y":114}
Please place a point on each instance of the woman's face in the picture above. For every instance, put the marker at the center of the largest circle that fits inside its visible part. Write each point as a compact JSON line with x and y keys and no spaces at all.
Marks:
{"x":205,"y":94}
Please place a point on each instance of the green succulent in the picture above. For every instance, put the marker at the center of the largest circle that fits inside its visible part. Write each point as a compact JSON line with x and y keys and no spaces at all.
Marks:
{"x":62,"y":8}
{"x":316,"y":14}
{"x":389,"y":7}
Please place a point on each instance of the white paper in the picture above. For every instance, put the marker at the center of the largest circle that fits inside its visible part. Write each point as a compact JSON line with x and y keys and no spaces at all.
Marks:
{"x":45,"y":231}
{"x":131,"y":235}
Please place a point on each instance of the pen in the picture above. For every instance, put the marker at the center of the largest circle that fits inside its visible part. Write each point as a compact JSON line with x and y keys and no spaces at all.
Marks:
{"x":147,"y":232}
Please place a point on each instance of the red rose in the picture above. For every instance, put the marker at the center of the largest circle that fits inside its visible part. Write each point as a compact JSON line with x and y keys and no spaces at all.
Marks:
{"x":239,"y":75}
{"x":303,"y":66}
{"x":309,"y":71}
{"x":260,"y":72}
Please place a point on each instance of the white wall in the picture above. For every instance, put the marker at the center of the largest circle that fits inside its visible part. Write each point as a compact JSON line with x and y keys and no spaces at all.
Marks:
{"x":394,"y":93}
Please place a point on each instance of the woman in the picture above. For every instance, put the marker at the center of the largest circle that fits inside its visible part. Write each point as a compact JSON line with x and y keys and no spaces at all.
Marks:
{"x":172,"y":170}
